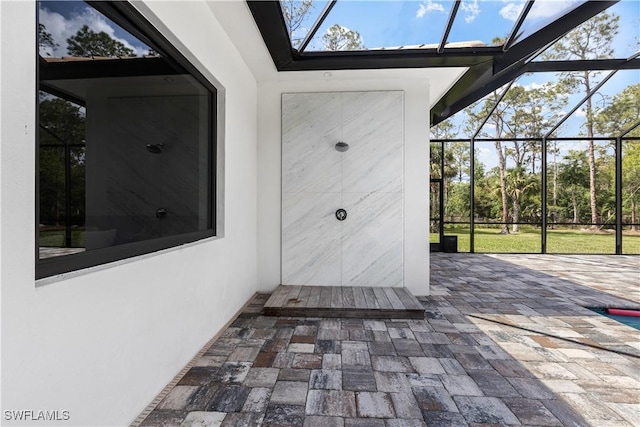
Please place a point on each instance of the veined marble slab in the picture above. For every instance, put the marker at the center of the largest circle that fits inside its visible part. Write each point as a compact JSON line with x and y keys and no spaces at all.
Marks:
{"x":311,"y":126}
{"x":366,"y":181}
{"x":372,"y":239}
{"x":373,"y":129}
{"x":311,"y":239}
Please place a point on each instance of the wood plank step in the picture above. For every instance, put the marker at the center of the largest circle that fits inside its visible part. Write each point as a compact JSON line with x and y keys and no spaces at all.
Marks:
{"x":350,"y":302}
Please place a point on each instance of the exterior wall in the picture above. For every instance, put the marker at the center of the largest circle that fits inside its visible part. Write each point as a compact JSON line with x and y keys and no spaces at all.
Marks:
{"x":416,"y":171}
{"x":102,"y":344}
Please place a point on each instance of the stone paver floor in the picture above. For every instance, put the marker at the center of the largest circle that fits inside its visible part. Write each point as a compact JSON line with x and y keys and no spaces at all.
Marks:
{"x":506,"y":340}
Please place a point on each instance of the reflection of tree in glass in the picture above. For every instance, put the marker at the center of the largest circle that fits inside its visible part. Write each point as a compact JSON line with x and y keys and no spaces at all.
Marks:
{"x":62,"y":124}
{"x":87,"y":42}
{"x":45,"y":40}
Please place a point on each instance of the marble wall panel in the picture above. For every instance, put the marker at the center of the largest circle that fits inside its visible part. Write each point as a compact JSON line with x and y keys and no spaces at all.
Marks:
{"x":372,"y":239}
{"x":373,"y":125}
{"x":311,"y":126}
{"x":311,"y":239}
{"x":366,"y":180}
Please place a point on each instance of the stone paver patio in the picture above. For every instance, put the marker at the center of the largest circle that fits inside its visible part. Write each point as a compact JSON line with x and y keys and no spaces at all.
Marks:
{"x":506,"y":340}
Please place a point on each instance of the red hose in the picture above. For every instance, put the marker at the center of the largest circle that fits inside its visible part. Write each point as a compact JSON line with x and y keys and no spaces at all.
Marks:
{"x":623,"y":312}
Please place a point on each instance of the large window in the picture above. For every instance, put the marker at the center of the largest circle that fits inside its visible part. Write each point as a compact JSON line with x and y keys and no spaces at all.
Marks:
{"x":126,"y":145}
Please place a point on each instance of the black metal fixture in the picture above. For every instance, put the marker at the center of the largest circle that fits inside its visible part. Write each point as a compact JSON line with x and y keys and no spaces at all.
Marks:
{"x":445,"y":35}
{"x":155,"y":148}
{"x":341,"y":214}
{"x":342,"y":146}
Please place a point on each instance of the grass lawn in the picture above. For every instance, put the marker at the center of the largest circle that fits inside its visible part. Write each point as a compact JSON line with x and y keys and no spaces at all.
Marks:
{"x":55,"y":238}
{"x":489,"y":240}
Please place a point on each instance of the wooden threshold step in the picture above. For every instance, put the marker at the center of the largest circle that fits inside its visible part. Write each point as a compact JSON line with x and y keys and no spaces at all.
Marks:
{"x":337,"y":301}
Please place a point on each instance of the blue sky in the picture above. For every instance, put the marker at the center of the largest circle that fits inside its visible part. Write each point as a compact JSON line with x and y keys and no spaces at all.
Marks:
{"x":405,"y":23}
{"x":63,"y":19}
{"x":394,"y":23}
{"x":625,"y":44}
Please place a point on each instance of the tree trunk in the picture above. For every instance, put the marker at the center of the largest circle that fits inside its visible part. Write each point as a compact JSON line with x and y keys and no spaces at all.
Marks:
{"x":434,"y":202}
{"x":555,"y":174}
{"x":533,"y":161}
{"x":574,"y":200}
{"x":634,"y":217}
{"x":58,"y":209}
{"x":592,"y":156}
{"x":516,"y":215}
{"x":503,"y":187}
{"x":592,"y":183}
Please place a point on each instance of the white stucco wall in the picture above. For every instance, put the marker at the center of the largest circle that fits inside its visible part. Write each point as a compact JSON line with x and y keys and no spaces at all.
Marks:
{"x":416,"y":170}
{"x":101,"y":345}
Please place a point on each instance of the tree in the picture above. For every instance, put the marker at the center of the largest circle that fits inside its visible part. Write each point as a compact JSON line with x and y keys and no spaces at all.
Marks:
{"x":338,"y":37}
{"x":61,"y":124}
{"x":45,"y":40}
{"x":524,"y":112}
{"x":443,"y":130}
{"x":519,"y":183}
{"x":554,"y":151}
{"x":87,"y":43}
{"x":622,"y":113}
{"x":530,"y":113}
{"x":497,"y":120}
{"x":295,"y":12}
{"x":536,"y":110}
{"x":574,"y":175}
{"x":591,"y":40}
{"x":456,"y":155}
{"x":440,"y":154}
{"x":461,"y":155}
{"x":613,"y":120}
{"x":631,"y":179}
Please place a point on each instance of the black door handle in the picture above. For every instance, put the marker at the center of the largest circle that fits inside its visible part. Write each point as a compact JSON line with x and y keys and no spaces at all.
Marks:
{"x":341,"y":214}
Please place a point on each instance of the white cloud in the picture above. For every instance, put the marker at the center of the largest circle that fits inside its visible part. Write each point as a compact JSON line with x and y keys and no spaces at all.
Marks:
{"x":472,"y":9}
{"x":487,"y":156}
{"x":61,"y":28}
{"x":531,"y":86}
{"x":546,"y":9}
{"x":511,"y":11}
{"x":427,"y":7}
{"x":566,"y":146}
{"x":580,"y":112}
{"x":57,"y":26}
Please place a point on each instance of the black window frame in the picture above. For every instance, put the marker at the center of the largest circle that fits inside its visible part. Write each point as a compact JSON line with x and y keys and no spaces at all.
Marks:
{"x":130,"y":19}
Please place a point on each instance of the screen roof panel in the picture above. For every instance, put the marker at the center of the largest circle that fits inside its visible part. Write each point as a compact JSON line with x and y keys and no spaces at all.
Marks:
{"x":385,"y":24}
